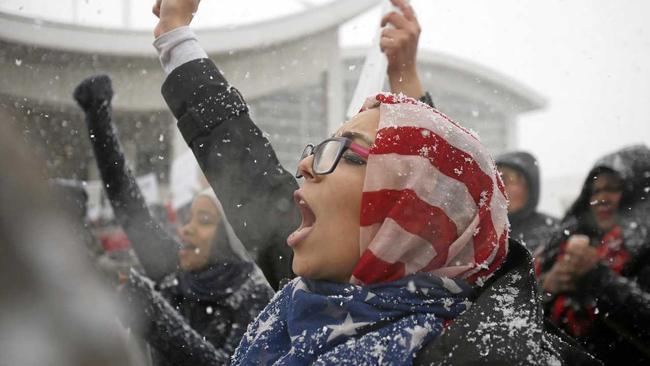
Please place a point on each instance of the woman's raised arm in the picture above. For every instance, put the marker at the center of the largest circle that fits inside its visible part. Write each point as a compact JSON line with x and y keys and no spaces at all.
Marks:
{"x":156,"y":249}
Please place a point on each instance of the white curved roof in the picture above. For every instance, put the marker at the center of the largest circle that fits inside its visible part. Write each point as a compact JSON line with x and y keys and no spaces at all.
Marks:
{"x":528,"y":99}
{"x":136,"y":14}
{"x":523,"y":98}
{"x":112,"y":27}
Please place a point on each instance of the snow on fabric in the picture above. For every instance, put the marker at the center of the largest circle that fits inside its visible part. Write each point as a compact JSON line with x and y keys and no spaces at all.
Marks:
{"x":433,"y":188}
{"x":317,"y":322}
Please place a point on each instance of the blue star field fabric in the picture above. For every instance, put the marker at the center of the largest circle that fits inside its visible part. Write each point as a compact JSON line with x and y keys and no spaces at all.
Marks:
{"x":325,"y":323}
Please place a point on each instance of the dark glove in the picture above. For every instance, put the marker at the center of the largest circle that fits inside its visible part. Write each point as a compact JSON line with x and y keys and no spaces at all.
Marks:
{"x":94,"y":92}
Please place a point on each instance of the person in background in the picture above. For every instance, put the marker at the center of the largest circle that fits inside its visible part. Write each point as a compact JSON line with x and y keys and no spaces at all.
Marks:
{"x":596,"y":269}
{"x":206,"y":278}
{"x":520,"y":173}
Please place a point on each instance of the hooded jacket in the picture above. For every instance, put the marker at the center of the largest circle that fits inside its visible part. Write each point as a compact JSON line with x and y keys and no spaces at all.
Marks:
{"x":619,"y":332}
{"x":210,"y":113}
{"x":217,"y":301}
{"x":528,"y":225}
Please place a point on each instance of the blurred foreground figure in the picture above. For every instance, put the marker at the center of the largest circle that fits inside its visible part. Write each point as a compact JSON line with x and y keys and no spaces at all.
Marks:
{"x":596,"y":271}
{"x":520,"y":173}
{"x":53,"y":308}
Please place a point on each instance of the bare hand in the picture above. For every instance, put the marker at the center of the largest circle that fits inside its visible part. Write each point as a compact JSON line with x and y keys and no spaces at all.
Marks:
{"x":173,"y":14}
{"x":580,"y":256}
{"x":400,"y":44}
{"x":578,"y":259}
{"x":559,"y":279}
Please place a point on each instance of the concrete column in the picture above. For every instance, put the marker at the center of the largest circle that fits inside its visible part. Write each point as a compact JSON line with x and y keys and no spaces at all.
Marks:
{"x":511,"y":133}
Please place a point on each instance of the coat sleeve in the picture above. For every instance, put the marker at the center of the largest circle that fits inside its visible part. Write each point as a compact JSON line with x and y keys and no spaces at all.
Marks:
{"x":626,"y":303}
{"x":155,"y":248}
{"x":238,"y":161}
{"x":243,"y":307}
{"x":623,"y":301}
{"x":165,"y":329}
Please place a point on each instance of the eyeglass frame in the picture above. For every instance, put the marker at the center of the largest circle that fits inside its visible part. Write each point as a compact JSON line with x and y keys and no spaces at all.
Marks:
{"x":347,"y":144}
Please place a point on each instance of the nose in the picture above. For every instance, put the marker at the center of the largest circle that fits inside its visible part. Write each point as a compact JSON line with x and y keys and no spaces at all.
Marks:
{"x":305,"y":168}
{"x":185,"y":230}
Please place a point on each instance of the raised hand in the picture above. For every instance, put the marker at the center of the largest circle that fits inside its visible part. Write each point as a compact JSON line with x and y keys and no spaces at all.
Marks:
{"x":400,"y":43}
{"x":94,"y":92}
{"x":173,"y":14}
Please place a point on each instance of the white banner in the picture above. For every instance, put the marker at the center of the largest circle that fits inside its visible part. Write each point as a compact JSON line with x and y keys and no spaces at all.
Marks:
{"x":185,"y":181}
{"x":149,"y":186}
{"x":373,"y":73}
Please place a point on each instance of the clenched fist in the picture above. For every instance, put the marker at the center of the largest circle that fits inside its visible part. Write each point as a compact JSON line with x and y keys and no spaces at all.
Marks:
{"x":400,"y":44}
{"x":173,"y":14}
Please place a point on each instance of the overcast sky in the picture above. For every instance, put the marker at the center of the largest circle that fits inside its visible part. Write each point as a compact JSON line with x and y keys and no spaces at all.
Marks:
{"x":589,"y":58}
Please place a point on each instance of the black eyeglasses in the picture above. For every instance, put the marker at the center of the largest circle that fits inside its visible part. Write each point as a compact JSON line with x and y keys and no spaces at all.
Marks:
{"x":328,"y":153}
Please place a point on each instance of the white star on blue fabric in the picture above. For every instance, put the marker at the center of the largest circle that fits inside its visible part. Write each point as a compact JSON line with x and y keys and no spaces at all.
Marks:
{"x":417,"y":336}
{"x":369,"y":296}
{"x":266,"y":325}
{"x":348,"y":328}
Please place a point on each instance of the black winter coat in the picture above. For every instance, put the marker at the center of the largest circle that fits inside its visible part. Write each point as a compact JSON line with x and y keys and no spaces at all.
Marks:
{"x":505,"y":325}
{"x":620,"y":334}
{"x":194,"y":332}
{"x":214,"y":120}
{"x":236,"y":160}
{"x":218,"y":301}
{"x":529,"y":226}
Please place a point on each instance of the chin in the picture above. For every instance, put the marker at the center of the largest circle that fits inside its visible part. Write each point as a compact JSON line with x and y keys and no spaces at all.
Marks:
{"x":606,"y":226}
{"x":299,"y":267}
{"x":188,"y":264}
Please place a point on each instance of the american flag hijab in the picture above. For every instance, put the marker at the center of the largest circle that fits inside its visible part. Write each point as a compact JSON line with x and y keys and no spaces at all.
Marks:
{"x":432,"y":200}
{"x":433,"y":222}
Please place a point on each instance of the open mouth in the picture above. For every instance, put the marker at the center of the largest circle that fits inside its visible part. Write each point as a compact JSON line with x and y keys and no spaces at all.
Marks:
{"x":602,"y":208}
{"x":184,"y":246}
{"x":308,"y":220}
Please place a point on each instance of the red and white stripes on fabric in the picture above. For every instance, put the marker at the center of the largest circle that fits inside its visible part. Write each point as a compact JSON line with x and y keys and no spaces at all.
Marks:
{"x":432,"y":198}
